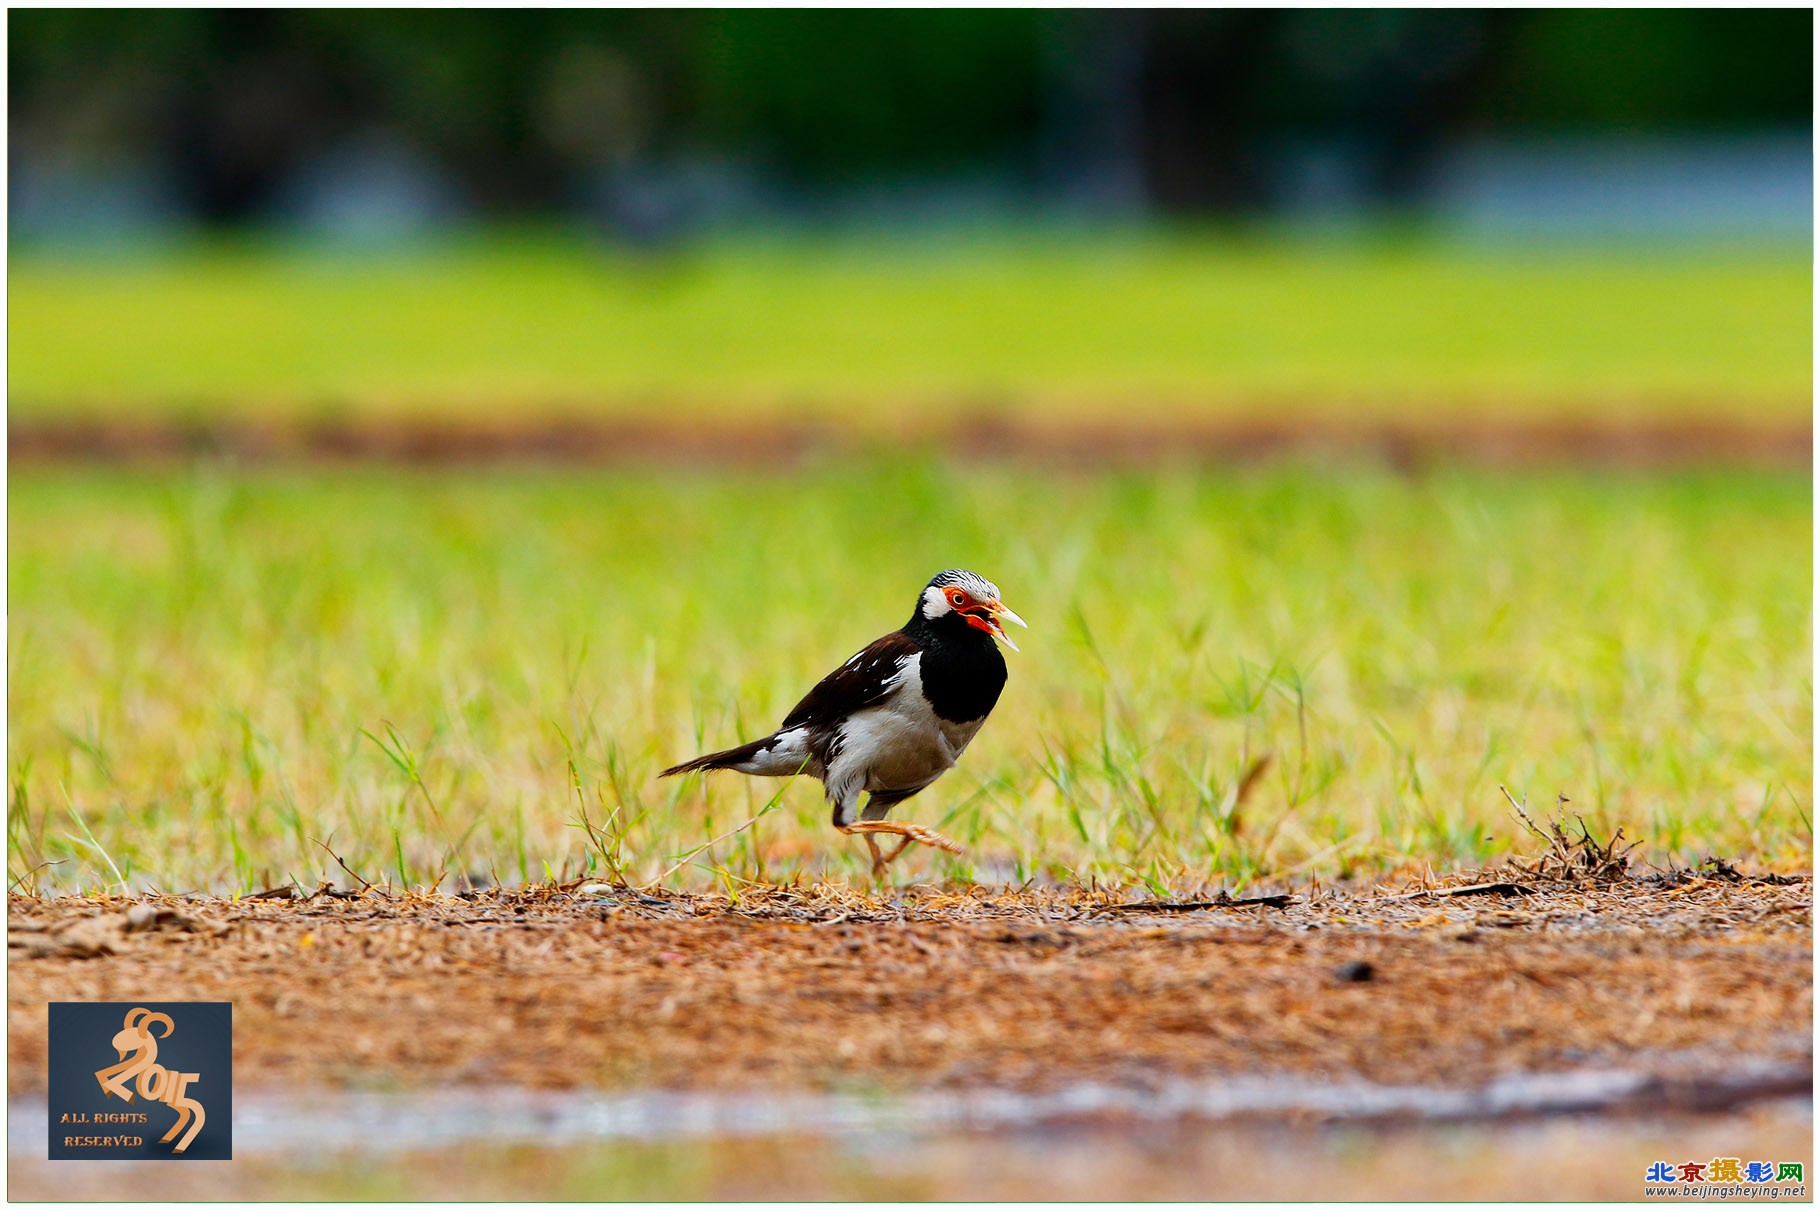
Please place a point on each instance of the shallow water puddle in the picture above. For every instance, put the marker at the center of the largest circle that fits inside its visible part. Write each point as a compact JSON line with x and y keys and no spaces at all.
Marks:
{"x":427,"y":1119}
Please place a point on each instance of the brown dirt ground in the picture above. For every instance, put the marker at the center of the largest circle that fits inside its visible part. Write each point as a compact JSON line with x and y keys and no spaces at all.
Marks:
{"x":1642,"y":442}
{"x":805,"y":987}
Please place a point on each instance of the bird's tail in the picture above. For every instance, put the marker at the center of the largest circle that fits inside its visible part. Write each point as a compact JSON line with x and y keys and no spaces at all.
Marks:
{"x":732,"y":758}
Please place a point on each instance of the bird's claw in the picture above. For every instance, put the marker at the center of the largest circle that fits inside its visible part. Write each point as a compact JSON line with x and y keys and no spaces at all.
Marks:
{"x":908,"y":832}
{"x":930,"y":837}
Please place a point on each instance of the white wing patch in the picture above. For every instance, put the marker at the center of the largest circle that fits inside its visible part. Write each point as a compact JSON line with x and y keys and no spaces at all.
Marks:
{"x":787,"y":752}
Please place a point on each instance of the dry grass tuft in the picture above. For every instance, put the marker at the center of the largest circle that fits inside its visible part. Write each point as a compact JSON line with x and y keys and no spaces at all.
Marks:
{"x":1582,"y":859}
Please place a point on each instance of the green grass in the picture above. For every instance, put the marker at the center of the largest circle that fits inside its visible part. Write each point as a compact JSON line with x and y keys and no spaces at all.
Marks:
{"x":861,"y":331}
{"x":211,"y":671}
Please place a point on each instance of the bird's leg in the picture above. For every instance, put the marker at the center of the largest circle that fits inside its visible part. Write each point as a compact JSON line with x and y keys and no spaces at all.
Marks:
{"x":881,"y":860}
{"x":909,"y":831}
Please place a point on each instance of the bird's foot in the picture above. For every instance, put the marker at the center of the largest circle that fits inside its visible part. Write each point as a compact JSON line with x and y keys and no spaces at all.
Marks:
{"x":890,"y":857}
{"x":881,"y":861}
{"x":911,"y":833}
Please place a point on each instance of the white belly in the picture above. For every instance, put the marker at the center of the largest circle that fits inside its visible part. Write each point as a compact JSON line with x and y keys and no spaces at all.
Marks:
{"x":899,"y":744}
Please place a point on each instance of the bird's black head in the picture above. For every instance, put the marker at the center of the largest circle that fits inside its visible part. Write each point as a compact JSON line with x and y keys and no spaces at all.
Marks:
{"x":956,"y":603}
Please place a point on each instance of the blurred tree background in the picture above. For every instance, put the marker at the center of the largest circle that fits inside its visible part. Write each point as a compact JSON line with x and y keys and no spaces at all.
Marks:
{"x":1123,"y":204}
{"x":658,"y":120}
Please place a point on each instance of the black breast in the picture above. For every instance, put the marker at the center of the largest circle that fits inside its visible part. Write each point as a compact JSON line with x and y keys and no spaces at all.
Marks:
{"x":962,"y":671}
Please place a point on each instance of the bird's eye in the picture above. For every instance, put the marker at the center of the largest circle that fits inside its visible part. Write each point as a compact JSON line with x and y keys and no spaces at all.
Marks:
{"x":958,"y":598}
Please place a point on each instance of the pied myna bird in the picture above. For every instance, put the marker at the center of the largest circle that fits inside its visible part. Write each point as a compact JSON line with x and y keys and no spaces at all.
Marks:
{"x":895,"y":717}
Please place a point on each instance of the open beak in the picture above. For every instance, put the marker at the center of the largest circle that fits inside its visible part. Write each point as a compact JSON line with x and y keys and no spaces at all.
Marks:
{"x":995,"y":610}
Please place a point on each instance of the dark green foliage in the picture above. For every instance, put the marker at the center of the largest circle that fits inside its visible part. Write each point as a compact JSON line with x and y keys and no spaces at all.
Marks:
{"x":521,"y":104}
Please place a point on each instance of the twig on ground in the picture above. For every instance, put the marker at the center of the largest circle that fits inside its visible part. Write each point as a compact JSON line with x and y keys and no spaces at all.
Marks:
{"x":1507,"y":889}
{"x":364,"y":884}
{"x":1224,"y":901}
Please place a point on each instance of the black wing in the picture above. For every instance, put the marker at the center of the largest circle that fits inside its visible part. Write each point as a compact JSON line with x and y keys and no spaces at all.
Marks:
{"x":865,"y":680}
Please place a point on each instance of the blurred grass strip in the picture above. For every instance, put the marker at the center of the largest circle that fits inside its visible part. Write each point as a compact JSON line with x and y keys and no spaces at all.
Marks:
{"x":881,"y":334}
{"x":198,"y":658}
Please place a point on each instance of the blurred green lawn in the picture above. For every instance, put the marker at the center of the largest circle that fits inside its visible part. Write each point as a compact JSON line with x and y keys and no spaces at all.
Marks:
{"x":200,"y":661}
{"x":200,"y":658}
{"x":883,"y":333}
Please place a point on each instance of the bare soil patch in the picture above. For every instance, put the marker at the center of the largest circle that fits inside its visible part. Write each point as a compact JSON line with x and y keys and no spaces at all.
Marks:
{"x":824,"y":987}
